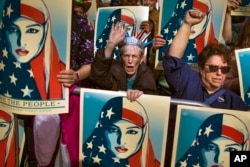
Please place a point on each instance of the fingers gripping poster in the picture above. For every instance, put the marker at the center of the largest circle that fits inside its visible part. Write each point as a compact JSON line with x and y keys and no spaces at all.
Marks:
{"x":117,"y":132}
{"x":35,"y":42}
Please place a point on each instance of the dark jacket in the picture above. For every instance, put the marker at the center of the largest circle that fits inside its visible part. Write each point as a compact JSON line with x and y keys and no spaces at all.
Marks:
{"x":186,"y":83}
{"x":110,"y":75}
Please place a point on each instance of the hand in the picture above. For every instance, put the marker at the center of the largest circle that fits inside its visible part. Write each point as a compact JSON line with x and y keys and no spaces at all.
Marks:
{"x":147,"y":26}
{"x":194,"y":16}
{"x":232,"y":5}
{"x":133,"y":94}
{"x":158,"y":41}
{"x":117,"y":34}
{"x":67,"y":78}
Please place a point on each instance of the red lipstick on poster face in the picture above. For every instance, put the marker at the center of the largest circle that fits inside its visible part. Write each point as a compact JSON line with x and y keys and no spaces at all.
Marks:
{"x":22,"y":52}
{"x":121,"y":149}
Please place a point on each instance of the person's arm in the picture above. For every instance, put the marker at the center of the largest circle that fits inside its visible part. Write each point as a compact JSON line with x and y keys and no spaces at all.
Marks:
{"x":227,"y":27}
{"x":180,"y":41}
{"x":70,"y":77}
{"x":83,"y":72}
{"x":117,"y":34}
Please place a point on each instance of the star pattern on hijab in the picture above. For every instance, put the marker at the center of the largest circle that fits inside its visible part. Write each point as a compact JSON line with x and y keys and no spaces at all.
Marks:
{"x":17,"y":79}
{"x":95,"y":150}
{"x":170,"y":29}
{"x":190,"y":161}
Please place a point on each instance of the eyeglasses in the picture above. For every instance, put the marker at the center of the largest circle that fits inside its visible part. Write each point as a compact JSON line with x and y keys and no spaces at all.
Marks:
{"x":134,"y":57}
{"x":215,"y":68}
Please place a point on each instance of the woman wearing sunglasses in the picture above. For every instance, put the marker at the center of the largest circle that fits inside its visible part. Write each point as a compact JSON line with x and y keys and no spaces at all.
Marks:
{"x":205,"y":85}
{"x":214,"y":63}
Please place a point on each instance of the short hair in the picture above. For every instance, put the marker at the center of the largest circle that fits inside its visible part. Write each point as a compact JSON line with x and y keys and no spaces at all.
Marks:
{"x":213,"y":49}
{"x":131,"y":40}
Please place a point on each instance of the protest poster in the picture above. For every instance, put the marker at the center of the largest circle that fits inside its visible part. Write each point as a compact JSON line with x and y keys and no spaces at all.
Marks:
{"x":205,"y":136}
{"x":208,"y":31}
{"x":129,"y":16}
{"x":242,"y":59}
{"x":35,"y":47}
{"x":115,"y":131}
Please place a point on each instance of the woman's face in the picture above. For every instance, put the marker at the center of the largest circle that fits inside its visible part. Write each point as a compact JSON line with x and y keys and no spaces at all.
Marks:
{"x":217,"y":152}
{"x":124,"y":138}
{"x":213,"y":80}
{"x":131,"y":59}
{"x":25,"y":39}
{"x":4,"y":129}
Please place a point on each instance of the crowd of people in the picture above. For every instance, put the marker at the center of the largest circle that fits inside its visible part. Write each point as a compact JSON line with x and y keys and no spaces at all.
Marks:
{"x":216,"y":82}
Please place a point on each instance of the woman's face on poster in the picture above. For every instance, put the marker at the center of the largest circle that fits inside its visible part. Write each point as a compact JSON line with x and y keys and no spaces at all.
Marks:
{"x":124,"y":138}
{"x":4,"y":129}
{"x":25,"y":38}
{"x":217,"y":152}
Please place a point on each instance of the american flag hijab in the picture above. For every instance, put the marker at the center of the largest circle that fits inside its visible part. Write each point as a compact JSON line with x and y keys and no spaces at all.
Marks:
{"x":123,"y":15}
{"x":218,"y":125}
{"x":7,"y":141}
{"x":35,"y":79}
{"x":97,"y":152}
{"x":195,"y":45}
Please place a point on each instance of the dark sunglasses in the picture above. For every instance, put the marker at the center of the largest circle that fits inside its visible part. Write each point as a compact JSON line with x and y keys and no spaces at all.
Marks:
{"x":215,"y":68}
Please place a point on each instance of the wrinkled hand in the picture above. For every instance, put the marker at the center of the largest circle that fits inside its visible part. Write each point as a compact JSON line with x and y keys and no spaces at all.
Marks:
{"x":194,"y":16}
{"x":133,"y":94}
{"x":117,"y":33}
{"x":232,"y":5}
{"x":158,"y":41}
{"x":67,"y":78}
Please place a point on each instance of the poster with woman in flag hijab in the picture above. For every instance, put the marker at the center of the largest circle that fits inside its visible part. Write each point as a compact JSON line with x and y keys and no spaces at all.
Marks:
{"x":35,"y":47}
{"x":208,"y":31}
{"x":118,"y":132}
{"x":243,"y":59}
{"x":130,"y":16}
{"x":205,"y":136}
